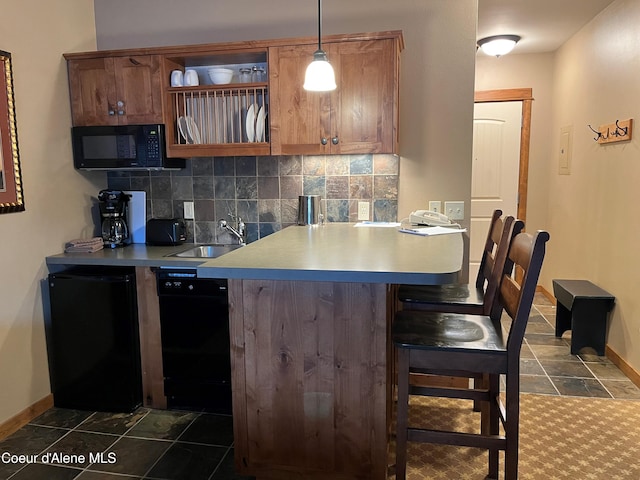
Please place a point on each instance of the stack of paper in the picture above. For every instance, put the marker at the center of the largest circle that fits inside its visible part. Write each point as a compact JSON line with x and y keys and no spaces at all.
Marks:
{"x":377,"y":224}
{"x":432,"y":230}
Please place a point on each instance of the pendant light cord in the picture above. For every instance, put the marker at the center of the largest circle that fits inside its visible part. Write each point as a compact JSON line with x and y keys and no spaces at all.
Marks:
{"x":319,"y":24}
{"x":319,"y":76}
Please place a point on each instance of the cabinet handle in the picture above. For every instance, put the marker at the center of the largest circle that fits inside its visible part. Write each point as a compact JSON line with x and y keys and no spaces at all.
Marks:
{"x":134,"y":61}
{"x":120,"y":108}
{"x":111,"y":111}
{"x":335,"y":140}
{"x":323,"y":140}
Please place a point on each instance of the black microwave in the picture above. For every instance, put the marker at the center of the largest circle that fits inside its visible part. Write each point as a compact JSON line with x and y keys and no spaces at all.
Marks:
{"x":121,"y":147}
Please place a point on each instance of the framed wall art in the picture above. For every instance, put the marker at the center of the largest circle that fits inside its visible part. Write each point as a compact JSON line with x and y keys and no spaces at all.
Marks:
{"x":11,"y":194}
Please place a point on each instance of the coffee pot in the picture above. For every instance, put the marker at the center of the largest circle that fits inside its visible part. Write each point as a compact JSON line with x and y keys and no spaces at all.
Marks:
{"x":113,"y":211}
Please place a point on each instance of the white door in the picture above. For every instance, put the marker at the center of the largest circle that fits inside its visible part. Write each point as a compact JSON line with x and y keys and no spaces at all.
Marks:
{"x":496,"y":162}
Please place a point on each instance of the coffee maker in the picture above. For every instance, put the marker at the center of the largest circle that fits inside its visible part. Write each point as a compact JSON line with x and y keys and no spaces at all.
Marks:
{"x":113,"y":211}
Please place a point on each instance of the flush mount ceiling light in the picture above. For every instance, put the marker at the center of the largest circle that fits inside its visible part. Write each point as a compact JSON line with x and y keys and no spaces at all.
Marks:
{"x":319,"y":76}
{"x":498,"y":45}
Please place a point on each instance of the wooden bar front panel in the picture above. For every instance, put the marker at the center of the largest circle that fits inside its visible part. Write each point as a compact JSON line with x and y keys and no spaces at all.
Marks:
{"x":150,"y":339}
{"x":309,"y":379}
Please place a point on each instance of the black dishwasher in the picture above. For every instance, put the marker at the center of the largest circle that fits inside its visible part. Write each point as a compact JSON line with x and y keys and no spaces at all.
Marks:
{"x":194,"y":321}
{"x":93,"y":341}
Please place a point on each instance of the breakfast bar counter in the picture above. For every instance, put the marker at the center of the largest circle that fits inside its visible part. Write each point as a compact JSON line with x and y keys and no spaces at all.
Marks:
{"x":344,"y":252}
{"x":309,"y":319}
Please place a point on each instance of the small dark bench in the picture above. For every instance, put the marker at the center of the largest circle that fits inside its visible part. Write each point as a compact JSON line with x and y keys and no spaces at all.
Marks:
{"x":582,"y":307}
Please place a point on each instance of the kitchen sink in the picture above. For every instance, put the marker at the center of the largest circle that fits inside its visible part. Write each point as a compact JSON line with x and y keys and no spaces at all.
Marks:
{"x":205,"y":251}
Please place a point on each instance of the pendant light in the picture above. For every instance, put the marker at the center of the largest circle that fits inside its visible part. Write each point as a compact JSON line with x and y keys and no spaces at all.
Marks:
{"x":319,"y":76}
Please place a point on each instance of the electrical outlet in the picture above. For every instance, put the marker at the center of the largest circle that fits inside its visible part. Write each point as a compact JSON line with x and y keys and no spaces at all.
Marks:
{"x":454,"y":210}
{"x":188,"y":211}
{"x":363,"y":210}
{"x":435,"y":206}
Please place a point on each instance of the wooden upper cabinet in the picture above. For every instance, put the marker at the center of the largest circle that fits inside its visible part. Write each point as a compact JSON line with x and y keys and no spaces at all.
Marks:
{"x":120,"y":87}
{"x":116,"y":90}
{"x":360,"y":116}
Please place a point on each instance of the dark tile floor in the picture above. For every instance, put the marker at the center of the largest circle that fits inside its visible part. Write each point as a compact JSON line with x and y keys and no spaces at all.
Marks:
{"x":547,"y":366}
{"x":176,"y":445}
{"x":145,"y":444}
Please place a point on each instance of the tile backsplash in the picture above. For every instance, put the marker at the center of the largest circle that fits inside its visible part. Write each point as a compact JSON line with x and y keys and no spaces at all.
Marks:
{"x":264,"y":191}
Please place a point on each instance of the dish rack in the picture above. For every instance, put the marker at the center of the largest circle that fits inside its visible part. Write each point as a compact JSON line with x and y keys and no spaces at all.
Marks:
{"x":229,"y":115}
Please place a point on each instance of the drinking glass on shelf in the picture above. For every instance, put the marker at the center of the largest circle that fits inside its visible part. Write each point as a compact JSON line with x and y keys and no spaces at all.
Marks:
{"x":258,"y":75}
{"x":245,"y":75}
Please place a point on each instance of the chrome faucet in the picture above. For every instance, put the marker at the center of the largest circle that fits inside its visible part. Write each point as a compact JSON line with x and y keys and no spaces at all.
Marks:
{"x":240,"y":232}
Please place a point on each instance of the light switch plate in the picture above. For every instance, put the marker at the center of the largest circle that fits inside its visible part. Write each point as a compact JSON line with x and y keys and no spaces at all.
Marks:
{"x":454,"y":210}
{"x":188,"y":211}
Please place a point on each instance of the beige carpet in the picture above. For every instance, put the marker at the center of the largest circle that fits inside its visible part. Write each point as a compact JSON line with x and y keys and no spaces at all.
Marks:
{"x":560,"y":437}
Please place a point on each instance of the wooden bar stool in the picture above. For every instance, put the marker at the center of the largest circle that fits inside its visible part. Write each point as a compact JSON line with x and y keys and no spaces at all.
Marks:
{"x":478,"y":298}
{"x":471,"y":345}
{"x":473,"y":299}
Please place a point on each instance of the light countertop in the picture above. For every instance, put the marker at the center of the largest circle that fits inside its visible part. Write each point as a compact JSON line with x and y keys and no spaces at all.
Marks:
{"x":337,"y":252}
{"x":341,"y":252}
{"x":135,"y":255}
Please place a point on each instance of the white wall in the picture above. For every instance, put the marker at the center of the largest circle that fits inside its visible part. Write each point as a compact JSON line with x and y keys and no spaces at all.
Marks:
{"x":36,"y":34}
{"x":591,"y":214}
{"x":533,"y":71}
{"x":436,"y":78}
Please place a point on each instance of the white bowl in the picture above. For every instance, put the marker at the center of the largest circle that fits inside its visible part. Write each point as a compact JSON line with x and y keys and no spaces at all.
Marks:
{"x":220,"y":75}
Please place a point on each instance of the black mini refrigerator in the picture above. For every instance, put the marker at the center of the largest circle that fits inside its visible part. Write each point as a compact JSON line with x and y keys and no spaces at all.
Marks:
{"x":93,"y":341}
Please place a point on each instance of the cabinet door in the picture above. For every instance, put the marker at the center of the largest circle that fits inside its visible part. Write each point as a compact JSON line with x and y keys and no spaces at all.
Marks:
{"x":93,"y":91}
{"x":298,"y":119}
{"x":138,"y":89}
{"x":364,"y":104}
{"x":360,"y":116}
{"x":116,"y":90}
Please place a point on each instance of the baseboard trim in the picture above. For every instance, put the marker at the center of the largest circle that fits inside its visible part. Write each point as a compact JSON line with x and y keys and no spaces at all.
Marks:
{"x":546,"y":293}
{"x":25,"y":416}
{"x":611,"y":354}
{"x":624,"y":367}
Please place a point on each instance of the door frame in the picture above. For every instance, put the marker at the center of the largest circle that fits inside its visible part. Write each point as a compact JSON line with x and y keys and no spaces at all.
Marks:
{"x":524,"y":95}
